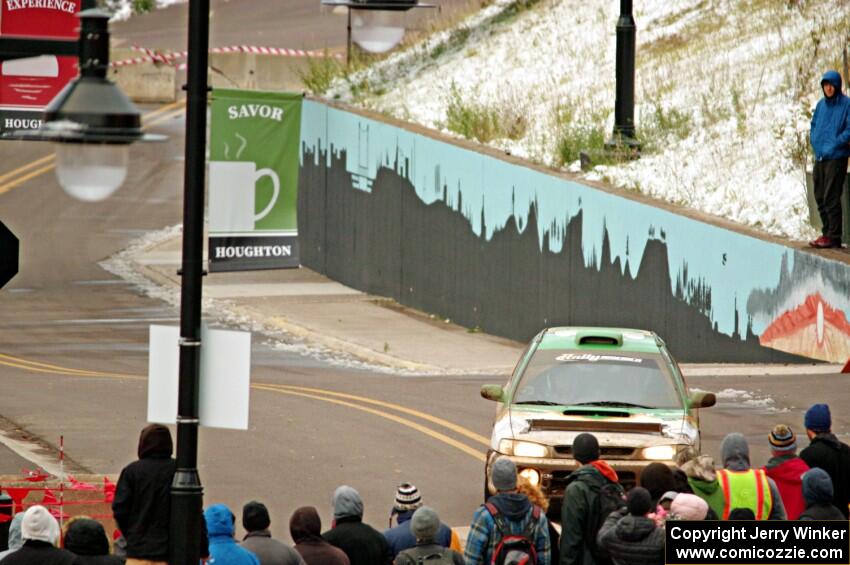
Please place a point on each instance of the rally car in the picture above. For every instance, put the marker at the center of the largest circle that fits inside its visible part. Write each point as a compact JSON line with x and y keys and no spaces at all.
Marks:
{"x":622,"y":385}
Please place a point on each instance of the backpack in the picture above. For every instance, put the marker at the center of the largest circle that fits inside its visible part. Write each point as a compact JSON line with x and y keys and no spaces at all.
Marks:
{"x":609,"y":498}
{"x":514,"y":549}
{"x":418,"y":556}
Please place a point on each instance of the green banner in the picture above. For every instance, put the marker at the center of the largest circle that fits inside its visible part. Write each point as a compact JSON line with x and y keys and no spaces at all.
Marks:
{"x":253,"y":179}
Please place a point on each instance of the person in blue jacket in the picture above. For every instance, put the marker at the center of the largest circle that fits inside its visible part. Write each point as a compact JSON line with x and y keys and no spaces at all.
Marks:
{"x":830,"y":137}
{"x":223,"y":548}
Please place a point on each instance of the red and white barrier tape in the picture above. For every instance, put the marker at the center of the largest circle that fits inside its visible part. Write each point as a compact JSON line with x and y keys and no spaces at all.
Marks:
{"x":152,"y":56}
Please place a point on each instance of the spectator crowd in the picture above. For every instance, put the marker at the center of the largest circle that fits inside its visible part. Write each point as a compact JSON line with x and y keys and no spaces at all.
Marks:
{"x":601,"y":524}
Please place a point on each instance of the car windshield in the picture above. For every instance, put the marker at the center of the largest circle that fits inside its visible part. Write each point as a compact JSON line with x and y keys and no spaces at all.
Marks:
{"x":597,"y":378}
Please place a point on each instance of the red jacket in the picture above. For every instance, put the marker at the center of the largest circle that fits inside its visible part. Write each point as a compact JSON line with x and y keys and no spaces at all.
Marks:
{"x":786,"y":471}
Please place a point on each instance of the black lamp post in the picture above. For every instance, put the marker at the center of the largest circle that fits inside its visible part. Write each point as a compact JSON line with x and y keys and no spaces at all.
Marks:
{"x":186,"y":490}
{"x":91,"y":121}
{"x":624,"y":105}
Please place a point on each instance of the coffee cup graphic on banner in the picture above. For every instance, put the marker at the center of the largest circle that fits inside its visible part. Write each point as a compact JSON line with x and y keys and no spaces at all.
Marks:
{"x":233,"y":195}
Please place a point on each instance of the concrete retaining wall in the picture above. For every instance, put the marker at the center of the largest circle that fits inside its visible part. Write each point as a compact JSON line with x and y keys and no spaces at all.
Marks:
{"x":495,"y":243}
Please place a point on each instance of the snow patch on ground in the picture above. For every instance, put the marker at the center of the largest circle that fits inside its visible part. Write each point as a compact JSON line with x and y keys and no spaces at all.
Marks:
{"x":123,"y":9}
{"x":742,"y":77}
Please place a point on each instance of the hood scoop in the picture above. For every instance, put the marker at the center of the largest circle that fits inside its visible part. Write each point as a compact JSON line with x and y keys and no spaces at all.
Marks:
{"x":594,"y":412}
{"x":594,"y":426}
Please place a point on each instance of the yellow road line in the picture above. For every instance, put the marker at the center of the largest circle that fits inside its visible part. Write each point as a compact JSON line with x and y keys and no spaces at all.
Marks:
{"x":26,"y":363}
{"x":26,"y":167}
{"x":433,"y":419}
{"x":306,"y":392}
{"x":48,"y":158}
{"x":398,"y":419}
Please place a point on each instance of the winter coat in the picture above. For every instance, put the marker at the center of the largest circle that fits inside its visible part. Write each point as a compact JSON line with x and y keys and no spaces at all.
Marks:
{"x":15,"y":541}
{"x":363,"y":544}
{"x":518,"y":511}
{"x":578,"y":510}
{"x":87,"y":539}
{"x":305,"y":527}
{"x":735,"y":453}
{"x":142,"y":503}
{"x":411,"y":555}
{"x":35,"y":552}
{"x":400,"y":537}
{"x":830,"y":128}
{"x":223,"y":548}
{"x":833,"y":456}
{"x":709,"y":492}
{"x":821,"y":511}
{"x":787,"y":471}
{"x":316,"y":551}
{"x":270,"y":551}
{"x":631,"y":540}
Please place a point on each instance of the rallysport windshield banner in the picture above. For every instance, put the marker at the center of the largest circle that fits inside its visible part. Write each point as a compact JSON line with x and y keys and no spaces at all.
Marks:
{"x":253,"y":180}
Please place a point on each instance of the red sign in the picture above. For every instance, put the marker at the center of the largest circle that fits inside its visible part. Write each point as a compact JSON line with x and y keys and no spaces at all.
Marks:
{"x":29,"y":84}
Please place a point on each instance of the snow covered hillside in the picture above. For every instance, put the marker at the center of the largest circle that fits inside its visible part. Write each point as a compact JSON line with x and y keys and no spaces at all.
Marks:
{"x":724,"y":94}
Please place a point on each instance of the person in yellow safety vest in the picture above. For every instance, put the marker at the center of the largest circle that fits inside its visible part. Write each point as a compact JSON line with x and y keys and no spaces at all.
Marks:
{"x":744,"y":487}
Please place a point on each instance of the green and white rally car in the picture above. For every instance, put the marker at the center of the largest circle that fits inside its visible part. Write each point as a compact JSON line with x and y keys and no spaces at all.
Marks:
{"x":622,"y":385}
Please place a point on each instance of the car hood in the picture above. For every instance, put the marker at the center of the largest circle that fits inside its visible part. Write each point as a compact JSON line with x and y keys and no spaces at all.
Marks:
{"x":626,"y":428}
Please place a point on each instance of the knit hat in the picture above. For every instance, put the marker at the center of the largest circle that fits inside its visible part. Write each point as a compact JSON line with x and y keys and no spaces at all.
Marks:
{"x":585,"y":448}
{"x":425,"y":524}
{"x":818,"y":418}
{"x":503,"y":474}
{"x":347,"y":503}
{"x":639,"y":501}
{"x":40,"y":525}
{"x":782,"y":438}
{"x":657,"y":478}
{"x":817,"y":486}
{"x":255,"y":517}
{"x":407,"y":498}
{"x":688,"y":506}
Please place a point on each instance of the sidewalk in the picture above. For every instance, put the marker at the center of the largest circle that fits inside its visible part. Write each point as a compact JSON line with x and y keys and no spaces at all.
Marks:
{"x":372,"y":329}
{"x":328,"y":314}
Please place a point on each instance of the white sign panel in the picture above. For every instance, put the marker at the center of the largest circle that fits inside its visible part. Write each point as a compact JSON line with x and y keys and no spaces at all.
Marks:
{"x":225,"y":380}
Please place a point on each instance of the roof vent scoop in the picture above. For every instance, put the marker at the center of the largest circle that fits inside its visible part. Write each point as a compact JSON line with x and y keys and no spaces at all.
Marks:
{"x":599,"y":338}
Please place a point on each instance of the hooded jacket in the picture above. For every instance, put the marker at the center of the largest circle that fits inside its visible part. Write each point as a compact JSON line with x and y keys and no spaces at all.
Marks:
{"x":36,"y":552}
{"x":363,"y":544}
{"x":830,"y":128}
{"x":400,"y":537}
{"x":15,"y":541}
{"x":223,"y":548}
{"x":833,"y":456}
{"x":787,"y":471}
{"x":87,"y":539}
{"x":631,"y":540}
{"x":735,"y":453}
{"x":305,"y":527}
{"x":142,"y":503}
{"x":484,"y":535}
{"x":578,"y":511}
{"x":817,"y":491}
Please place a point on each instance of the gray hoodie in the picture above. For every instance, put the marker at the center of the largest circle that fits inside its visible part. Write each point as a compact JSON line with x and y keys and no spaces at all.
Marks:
{"x":735,"y":453}
{"x":347,"y":503}
{"x":15,"y":540}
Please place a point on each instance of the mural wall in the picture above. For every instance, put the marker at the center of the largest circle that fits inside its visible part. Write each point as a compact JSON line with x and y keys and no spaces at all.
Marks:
{"x":510,"y":249}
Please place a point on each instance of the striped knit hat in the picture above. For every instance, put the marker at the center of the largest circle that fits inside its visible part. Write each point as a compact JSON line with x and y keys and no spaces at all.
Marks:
{"x":782,"y":438}
{"x":406,"y":498}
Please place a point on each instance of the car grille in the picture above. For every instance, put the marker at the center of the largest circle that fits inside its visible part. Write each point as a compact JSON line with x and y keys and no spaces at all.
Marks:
{"x":604,"y":452}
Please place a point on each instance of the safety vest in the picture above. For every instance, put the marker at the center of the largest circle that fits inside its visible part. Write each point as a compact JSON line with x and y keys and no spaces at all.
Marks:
{"x":745,"y":489}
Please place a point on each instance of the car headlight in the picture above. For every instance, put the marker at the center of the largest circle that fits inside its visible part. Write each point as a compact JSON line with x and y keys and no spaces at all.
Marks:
{"x":531,"y":475}
{"x":522,"y":448}
{"x":660,"y":452}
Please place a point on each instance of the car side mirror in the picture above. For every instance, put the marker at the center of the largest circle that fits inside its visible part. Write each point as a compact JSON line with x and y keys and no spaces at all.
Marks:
{"x":702,"y":400}
{"x":493,"y":392}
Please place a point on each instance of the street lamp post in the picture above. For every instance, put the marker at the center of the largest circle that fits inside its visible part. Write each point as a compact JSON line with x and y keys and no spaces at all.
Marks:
{"x":624,"y":105}
{"x":186,"y":490}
